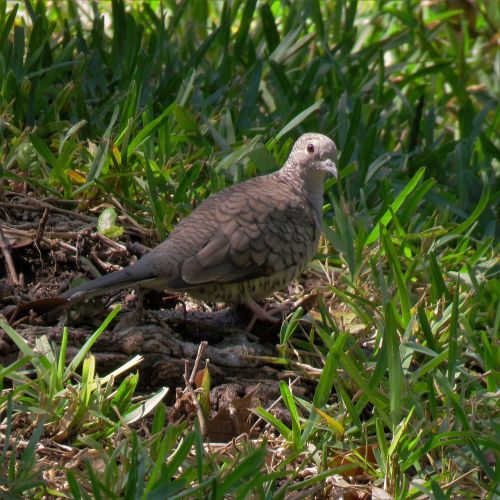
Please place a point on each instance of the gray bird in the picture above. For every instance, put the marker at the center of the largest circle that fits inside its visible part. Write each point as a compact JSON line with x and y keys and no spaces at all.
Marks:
{"x":242,"y":243}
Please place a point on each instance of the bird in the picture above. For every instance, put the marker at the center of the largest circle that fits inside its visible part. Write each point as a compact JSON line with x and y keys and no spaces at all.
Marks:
{"x":242,"y":243}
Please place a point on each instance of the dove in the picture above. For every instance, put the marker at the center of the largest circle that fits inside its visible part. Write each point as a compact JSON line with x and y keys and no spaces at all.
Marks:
{"x":242,"y":243}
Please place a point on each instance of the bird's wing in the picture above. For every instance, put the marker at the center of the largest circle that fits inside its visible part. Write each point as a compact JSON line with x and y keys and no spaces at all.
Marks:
{"x":258,"y":232}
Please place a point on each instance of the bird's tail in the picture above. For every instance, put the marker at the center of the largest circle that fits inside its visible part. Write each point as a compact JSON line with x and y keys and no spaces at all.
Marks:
{"x":130,"y":276}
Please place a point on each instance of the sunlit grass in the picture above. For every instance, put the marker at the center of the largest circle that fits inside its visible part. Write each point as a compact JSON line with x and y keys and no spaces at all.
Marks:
{"x":157,"y":105}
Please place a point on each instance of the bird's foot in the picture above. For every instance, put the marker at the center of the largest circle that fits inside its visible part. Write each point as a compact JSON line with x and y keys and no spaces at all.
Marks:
{"x":272,"y":314}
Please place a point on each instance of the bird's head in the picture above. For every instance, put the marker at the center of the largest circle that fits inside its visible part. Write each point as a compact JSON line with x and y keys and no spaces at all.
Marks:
{"x":313,"y":155}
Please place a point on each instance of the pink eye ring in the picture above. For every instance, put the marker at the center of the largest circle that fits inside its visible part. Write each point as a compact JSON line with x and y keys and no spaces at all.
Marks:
{"x":310,"y":148}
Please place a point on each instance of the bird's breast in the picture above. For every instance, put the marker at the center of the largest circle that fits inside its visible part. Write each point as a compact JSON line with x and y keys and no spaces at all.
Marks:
{"x":256,"y":288}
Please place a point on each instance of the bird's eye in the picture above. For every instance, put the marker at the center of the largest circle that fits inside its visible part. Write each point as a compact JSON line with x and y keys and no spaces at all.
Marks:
{"x":310,"y":148}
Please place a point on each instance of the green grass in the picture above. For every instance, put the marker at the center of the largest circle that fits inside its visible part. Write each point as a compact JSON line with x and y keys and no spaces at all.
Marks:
{"x":157,"y":105}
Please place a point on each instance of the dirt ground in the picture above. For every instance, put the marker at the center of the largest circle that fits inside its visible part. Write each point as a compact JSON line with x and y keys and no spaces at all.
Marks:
{"x":45,"y":246}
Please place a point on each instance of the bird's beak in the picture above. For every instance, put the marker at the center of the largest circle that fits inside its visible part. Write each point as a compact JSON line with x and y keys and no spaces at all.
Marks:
{"x":331,"y":168}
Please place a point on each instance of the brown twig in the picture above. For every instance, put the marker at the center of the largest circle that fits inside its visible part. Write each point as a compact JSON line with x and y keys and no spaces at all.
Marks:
{"x":4,"y":245}
{"x":31,"y":233}
{"x":189,"y":381}
{"x":68,"y":247}
{"x":110,"y":243}
{"x":41,"y":226}
{"x":42,"y":205}
{"x":201,"y":351}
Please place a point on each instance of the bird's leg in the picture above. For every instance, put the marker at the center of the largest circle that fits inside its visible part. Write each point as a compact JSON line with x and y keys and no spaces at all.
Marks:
{"x":280,"y":307}
{"x":258,"y":313}
{"x":137,"y":312}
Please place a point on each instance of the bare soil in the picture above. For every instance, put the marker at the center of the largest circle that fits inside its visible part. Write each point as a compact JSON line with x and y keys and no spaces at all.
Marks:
{"x":45,"y":246}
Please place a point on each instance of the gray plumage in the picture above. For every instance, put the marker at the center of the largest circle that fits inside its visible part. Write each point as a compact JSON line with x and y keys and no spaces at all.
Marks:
{"x":242,"y":243}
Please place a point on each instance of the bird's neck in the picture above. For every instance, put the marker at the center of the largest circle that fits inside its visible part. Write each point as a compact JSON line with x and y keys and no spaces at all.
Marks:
{"x":310,"y":183}
{"x":313,"y":185}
